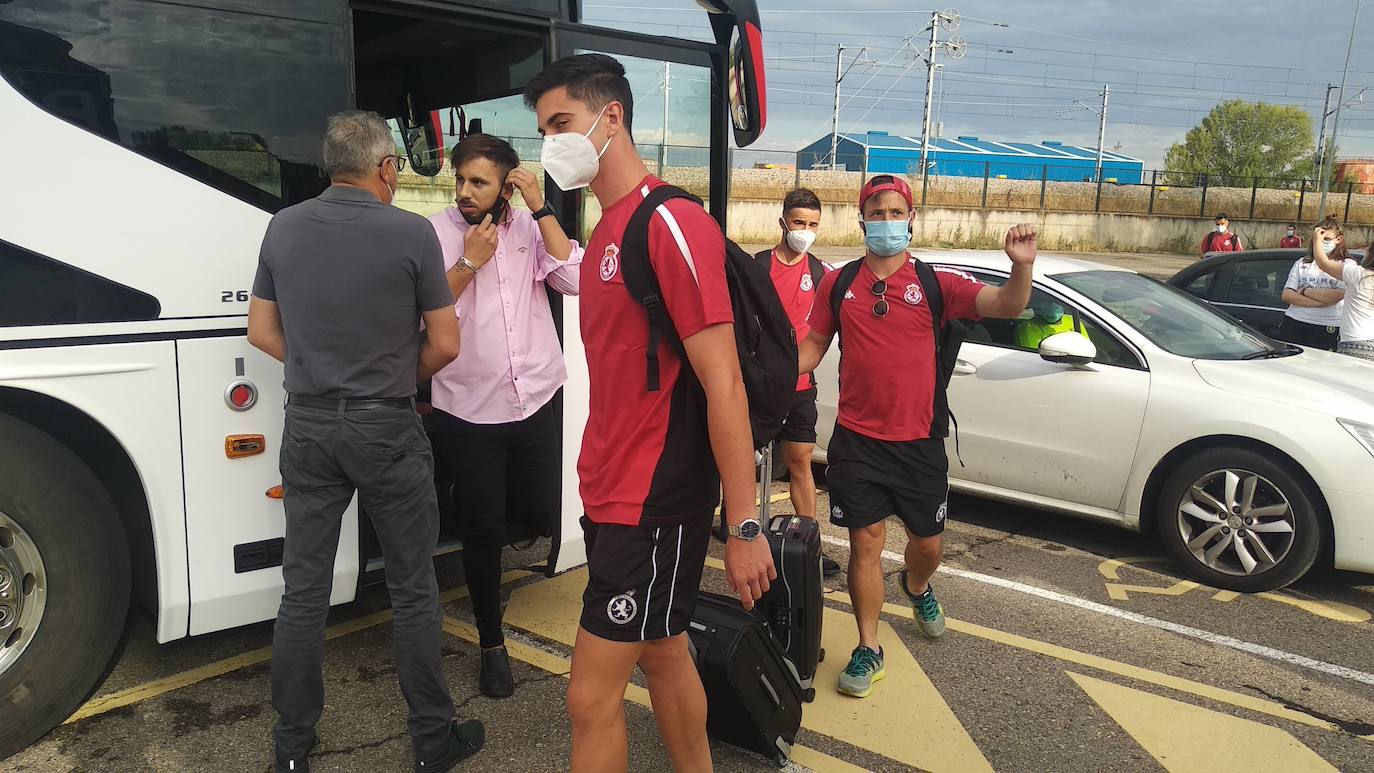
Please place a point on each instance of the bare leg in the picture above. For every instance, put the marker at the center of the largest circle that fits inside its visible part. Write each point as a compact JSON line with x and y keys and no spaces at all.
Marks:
{"x":923,"y":556}
{"x":803,"y":483}
{"x":866,"y":585}
{"x":679,"y":703}
{"x":596,"y":702}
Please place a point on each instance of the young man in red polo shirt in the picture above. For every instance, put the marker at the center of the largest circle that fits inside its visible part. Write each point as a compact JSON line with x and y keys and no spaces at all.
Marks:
{"x":887,"y":454}
{"x":653,"y":462}
{"x":796,"y":275}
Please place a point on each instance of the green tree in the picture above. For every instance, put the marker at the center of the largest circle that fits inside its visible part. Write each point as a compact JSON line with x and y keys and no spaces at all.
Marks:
{"x":1247,"y":139}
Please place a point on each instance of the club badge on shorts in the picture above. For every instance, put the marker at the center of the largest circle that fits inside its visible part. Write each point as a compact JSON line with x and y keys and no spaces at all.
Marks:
{"x":610,"y":262}
{"x":912,"y":294}
{"x":942,"y":512}
{"x":836,"y":514}
{"x":806,"y":282}
{"x":622,"y":609}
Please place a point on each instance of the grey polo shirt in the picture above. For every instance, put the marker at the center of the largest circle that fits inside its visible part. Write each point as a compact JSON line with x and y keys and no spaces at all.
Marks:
{"x":351,"y":276}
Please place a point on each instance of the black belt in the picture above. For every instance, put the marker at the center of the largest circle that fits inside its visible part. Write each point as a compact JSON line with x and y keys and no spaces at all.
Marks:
{"x":350,"y":403}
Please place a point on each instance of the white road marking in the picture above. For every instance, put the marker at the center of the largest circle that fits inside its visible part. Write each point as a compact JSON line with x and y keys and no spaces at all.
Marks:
{"x":1154,"y":622}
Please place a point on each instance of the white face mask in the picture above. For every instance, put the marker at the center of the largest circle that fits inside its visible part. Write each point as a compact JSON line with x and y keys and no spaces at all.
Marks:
{"x":571,"y":159}
{"x":1221,"y":229}
{"x":800,"y":240}
{"x":1328,"y":246}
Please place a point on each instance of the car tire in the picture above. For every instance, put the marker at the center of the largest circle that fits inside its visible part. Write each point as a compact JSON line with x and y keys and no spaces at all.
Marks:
{"x":60,"y":532}
{"x":1228,"y":542}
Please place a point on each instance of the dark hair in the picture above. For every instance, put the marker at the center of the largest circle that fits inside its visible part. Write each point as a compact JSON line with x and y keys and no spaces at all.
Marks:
{"x":1221,"y":216}
{"x":1339,"y":253}
{"x":594,"y":79}
{"x":801,"y":198}
{"x":493,"y":149}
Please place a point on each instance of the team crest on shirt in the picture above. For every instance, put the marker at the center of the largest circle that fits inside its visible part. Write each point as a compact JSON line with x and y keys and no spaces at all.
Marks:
{"x":622,"y":609}
{"x":912,"y":294}
{"x":610,"y":262}
{"x":806,"y":282}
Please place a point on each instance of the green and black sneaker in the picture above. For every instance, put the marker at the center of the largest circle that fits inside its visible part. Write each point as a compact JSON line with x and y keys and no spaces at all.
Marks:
{"x":930,"y":616}
{"x":865,"y":667}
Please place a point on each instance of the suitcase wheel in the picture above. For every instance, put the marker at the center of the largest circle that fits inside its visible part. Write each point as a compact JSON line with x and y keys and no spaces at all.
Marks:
{"x":821,"y":658}
{"x":810,"y":695}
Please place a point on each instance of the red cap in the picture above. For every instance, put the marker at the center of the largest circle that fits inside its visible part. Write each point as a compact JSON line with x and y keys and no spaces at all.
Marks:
{"x":884,"y":182}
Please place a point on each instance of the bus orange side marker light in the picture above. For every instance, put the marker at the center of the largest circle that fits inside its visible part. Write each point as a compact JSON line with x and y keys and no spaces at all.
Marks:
{"x":239,"y":446}
{"x":276,"y":492}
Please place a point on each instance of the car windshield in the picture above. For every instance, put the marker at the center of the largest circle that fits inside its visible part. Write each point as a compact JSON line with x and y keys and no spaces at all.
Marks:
{"x":1171,"y":319}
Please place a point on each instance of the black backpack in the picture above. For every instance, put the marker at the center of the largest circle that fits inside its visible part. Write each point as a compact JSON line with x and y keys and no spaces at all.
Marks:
{"x":817,"y":268}
{"x":948,"y":337}
{"x":764,"y":337}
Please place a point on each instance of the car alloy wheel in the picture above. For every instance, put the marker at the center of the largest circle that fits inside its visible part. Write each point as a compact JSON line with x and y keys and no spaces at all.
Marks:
{"x":23,"y":591}
{"x":1236,"y":522}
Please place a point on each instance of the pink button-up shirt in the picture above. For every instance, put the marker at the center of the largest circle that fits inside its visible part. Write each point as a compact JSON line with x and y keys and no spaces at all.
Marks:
{"x":510,"y":363}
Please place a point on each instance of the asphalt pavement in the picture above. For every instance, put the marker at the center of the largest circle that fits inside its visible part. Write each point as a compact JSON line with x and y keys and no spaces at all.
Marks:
{"x":1072,"y":646}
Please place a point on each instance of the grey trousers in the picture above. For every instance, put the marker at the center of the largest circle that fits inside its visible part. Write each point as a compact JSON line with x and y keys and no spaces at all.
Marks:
{"x":384,"y":454}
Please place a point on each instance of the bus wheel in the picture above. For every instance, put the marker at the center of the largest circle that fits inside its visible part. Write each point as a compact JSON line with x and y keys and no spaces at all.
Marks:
{"x":64,"y":583}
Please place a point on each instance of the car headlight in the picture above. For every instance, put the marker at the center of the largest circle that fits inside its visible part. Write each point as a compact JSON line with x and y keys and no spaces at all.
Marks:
{"x":1361,"y":432}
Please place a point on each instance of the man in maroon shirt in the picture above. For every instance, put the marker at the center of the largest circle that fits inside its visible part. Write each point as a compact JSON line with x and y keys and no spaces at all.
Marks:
{"x":887,"y":454}
{"x":1291,"y":238}
{"x":652,"y":462}
{"x":1222,"y":239}
{"x":796,"y":275}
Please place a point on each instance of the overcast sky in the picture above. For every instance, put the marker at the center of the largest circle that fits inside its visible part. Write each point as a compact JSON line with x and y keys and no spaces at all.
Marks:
{"x":1167,"y":61}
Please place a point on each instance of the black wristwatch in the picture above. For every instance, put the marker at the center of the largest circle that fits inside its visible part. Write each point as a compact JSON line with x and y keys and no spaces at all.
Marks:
{"x":544,"y":211}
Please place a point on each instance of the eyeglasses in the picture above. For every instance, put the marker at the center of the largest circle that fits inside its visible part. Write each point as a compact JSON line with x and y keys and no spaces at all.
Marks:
{"x":400,"y":162}
{"x":879,"y":289}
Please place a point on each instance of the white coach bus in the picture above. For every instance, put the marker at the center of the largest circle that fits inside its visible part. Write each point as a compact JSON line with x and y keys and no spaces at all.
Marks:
{"x":147,"y":144}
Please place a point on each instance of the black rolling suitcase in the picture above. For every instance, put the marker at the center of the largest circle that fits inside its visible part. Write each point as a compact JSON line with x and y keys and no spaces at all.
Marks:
{"x":753,"y":698}
{"x":792,"y":608}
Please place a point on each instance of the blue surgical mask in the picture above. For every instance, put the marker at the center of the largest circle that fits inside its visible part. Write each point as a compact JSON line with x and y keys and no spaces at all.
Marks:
{"x":886,"y":238}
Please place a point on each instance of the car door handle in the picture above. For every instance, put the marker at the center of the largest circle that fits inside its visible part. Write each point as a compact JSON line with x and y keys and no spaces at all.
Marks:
{"x":965,"y":367}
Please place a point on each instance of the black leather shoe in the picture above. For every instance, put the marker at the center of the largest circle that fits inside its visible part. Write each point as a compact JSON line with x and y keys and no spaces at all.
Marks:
{"x":465,"y":739}
{"x":495,"y":680}
{"x":301,"y":765}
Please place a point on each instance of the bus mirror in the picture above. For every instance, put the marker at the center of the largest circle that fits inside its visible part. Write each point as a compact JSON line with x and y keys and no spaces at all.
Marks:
{"x":423,"y":136}
{"x":738,"y":21}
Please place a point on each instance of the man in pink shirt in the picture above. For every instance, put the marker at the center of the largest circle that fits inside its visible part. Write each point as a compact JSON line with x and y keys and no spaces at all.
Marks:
{"x":495,"y":427}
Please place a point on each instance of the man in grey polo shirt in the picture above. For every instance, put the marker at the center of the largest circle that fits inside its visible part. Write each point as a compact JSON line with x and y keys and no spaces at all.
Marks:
{"x":343,"y":283}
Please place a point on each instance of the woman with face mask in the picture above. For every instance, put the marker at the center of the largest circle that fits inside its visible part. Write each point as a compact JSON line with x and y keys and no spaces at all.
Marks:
{"x":1314,"y":298}
{"x":1357,"y":310}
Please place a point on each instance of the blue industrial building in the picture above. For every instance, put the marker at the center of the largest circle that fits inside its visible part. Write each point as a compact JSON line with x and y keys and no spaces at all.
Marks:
{"x":883,"y":153}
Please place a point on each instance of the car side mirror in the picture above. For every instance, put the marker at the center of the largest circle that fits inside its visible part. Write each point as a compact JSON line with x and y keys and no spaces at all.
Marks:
{"x":1068,"y":348}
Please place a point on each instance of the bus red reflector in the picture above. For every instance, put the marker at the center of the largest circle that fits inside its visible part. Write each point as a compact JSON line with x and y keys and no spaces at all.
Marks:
{"x":276,"y":492}
{"x":239,"y":446}
{"x":241,"y":395}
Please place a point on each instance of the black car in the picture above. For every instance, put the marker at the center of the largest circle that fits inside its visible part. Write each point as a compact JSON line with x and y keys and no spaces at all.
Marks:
{"x":1247,"y":285}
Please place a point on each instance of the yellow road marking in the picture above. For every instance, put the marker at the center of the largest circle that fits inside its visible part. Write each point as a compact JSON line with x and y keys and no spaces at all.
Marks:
{"x":553,"y":663}
{"x":1119,"y":591}
{"x":1331,"y":610}
{"x":1183,"y":737}
{"x":142,"y":692}
{"x":1111,"y":568}
{"x":1225,"y":595}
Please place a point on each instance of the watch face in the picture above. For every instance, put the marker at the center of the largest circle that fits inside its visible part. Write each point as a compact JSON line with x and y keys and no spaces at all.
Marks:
{"x":749,"y":529}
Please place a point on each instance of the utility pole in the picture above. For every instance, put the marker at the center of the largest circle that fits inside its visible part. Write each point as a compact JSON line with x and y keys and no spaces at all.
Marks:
{"x":835,"y":115}
{"x":1101,"y":130}
{"x":1336,"y":122}
{"x":949,"y":19}
{"x":663,"y":146}
{"x":1321,"y":134}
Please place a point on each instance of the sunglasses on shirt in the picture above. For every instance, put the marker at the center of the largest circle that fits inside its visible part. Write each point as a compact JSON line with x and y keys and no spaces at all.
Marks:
{"x":879,"y":289}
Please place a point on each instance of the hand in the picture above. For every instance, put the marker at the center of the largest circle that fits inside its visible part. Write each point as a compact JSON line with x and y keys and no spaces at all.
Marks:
{"x":1020,"y":244}
{"x":479,"y":244}
{"x":1320,"y":234}
{"x":529,"y":188}
{"x":749,"y":568}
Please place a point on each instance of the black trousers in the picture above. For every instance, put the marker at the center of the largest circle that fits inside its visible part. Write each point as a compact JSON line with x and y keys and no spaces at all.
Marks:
{"x":383,"y":454}
{"x":1306,"y":334}
{"x":499,"y":472}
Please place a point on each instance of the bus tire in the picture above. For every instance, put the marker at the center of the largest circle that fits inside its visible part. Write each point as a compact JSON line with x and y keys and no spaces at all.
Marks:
{"x":53,"y":507}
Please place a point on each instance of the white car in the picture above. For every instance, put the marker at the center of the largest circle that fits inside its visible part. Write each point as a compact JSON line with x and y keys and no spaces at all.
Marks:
{"x":1252,"y":459}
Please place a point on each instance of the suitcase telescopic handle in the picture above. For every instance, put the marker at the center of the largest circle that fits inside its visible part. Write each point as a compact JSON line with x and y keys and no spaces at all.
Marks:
{"x":772,"y":693}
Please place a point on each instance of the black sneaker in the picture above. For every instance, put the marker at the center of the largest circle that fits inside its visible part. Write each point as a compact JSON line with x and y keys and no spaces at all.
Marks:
{"x":495,"y":680}
{"x":299,"y":765}
{"x":465,"y":739}
{"x":829,"y":567}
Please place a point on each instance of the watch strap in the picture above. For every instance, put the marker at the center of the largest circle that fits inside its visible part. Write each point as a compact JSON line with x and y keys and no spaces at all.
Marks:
{"x":544,"y":211}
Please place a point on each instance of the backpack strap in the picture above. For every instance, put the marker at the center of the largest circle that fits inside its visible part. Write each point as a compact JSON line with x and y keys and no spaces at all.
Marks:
{"x":640,"y":279}
{"x":935,"y":299}
{"x":817,"y":269}
{"x":844,"y":279}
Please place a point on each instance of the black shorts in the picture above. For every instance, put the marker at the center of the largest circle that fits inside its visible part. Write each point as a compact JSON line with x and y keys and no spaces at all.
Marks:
{"x":1324,"y":337}
{"x":642,"y":581}
{"x":800,"y":424}
{"x":872,"y":479}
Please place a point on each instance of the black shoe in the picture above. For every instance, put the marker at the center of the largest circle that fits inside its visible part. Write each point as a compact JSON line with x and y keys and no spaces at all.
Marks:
{"x":495,"y":680}
{"x":464,"y":740}
{"x":829,"y":568}
{"x":301,"y":765}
